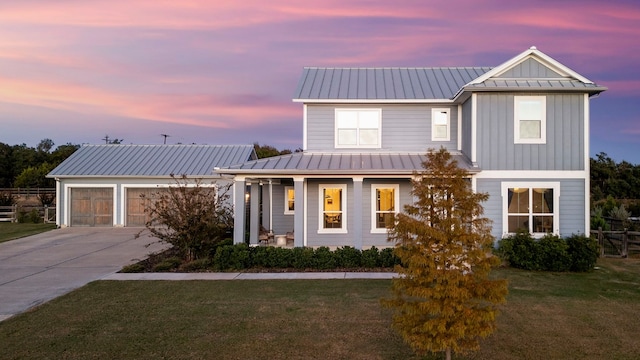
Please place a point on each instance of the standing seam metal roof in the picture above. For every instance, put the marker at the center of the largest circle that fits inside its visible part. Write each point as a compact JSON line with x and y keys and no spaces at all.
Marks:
{"x":151,"y":160}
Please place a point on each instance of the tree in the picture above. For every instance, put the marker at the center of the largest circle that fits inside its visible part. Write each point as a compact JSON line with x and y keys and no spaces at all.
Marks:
{"x":443,"y":298}
{"x":265,"y":151}
{"x":35,"y":177}
{"x":191,"y":216}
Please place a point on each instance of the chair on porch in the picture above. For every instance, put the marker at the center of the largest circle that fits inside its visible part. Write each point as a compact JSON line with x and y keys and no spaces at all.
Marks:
{"x":264,"y":236}
{"x":290,"y":238}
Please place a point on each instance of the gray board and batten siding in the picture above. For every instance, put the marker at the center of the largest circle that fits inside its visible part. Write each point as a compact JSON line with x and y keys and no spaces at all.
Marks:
{"x":404,"y":127}
{"x":564,"y":147}
{"x":571,"y":207}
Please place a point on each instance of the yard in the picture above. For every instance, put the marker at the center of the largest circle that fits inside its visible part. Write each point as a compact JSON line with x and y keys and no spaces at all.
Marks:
{"x":548,"y":316}
{"x":11,"y":231}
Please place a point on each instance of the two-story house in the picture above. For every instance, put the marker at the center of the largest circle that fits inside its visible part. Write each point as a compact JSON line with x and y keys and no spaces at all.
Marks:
{"x":521,"y":129}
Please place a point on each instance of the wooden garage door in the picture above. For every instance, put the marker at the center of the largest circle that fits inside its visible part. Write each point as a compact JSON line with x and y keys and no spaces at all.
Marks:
{"x":136,"y":205}
{"x":91,"y":206}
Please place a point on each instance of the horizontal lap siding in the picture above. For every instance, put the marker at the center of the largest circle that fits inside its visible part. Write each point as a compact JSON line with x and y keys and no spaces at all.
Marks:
{"x":281,"y":223}
{"x":564,"y":148}
{"x":466,"y":128}
{"x":331,"y":240}
{"x":380,"y":240}
{"x":404,"y":127}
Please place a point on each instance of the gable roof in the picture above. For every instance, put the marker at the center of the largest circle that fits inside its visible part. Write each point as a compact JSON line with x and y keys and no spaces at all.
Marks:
{"x":438,"y":84}
{"x":151,"y":160}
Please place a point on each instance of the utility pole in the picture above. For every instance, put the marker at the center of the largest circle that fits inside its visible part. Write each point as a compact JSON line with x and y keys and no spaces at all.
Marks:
{"x":106,"y":139}
{"x":165,"y":138}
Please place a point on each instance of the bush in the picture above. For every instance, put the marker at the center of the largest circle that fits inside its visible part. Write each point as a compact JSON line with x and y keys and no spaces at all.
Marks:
{"x":167,"y":264}
{"x":133,"y":268}
{"x":583,"y":251}
{"x":303,"y":258}
{"x":348,"y":257}
{"x":388,"y":258}
{"x":196,"y":265}
{"x":232,"y":257}
{"x":550,"y":253}
{"x":554,"y":254}
{"x":324,"y":258}
{"x":371,"y":258}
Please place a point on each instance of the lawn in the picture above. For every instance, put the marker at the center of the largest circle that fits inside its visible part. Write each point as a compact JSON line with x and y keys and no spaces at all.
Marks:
{"x":548,"y":316}
{"x":11,"y":231}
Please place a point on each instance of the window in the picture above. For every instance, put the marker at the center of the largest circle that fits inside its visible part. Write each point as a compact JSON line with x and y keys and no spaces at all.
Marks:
{"x":384,"y":205}
{"x":440,"y":125}
{"x":333,"y":201}
{"x":289,"y":200}
{"x":531,"y":207}
{"x":358,"y":128}
{"x":530,"y":126}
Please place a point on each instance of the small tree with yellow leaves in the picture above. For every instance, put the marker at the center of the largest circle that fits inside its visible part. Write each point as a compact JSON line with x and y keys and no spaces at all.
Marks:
{"x":443,"y":298}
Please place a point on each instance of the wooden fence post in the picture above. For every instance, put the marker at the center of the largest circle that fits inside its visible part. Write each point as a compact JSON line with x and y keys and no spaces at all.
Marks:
{"x":625,"y":243}
{"x":601,"y":241}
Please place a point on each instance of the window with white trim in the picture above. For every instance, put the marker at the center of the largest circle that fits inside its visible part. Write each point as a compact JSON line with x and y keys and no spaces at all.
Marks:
{"x":385,"y":202}
{"x":532,"y":207}
{"x":289,"y":200}
{"x":530,"y":119}
{"x":440,"y":125}
{"x":358,"y":128}
{"x":333,"y":204}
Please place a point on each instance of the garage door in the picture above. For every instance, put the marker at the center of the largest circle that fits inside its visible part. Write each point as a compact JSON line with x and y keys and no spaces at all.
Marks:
{"x":136,"y":205}
{"x":91,"y":206}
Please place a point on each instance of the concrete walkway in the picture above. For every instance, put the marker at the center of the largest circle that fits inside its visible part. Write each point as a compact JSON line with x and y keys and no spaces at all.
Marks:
{"x":38,"y":268}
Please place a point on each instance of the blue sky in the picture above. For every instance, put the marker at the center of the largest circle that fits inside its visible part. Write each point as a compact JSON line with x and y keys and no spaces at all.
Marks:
{"x":224,"y":72}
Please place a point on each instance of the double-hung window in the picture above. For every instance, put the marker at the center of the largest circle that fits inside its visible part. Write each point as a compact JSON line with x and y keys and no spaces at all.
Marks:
{"x":385,"y":199}
{"x":289,"y":200}
{"x":333,"y":203}
{"x":530,"y":120}
{"x":357,"y":128}
{"x":440,"y":125}
{"x":531,"y":207}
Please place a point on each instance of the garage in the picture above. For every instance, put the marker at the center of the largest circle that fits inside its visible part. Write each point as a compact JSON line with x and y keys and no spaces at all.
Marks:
{"x":91,"y":206}
{"x":136,"y":205}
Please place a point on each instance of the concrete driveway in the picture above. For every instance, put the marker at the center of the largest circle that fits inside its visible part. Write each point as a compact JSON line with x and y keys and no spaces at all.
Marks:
{"x":38,"y":268}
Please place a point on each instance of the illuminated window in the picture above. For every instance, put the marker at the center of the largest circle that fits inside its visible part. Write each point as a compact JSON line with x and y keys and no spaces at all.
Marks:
{"x":384,"y":205}
{"x":289,"y":200}
{"x":333,"y":200}
{"x":530,"y":125}
{"x":358,"y":128}
{"x":532,"y":207}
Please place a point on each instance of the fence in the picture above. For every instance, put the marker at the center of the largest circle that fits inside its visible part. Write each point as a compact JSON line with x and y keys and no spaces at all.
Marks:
{"x":14,"y":213}
{"x":618,"y":243}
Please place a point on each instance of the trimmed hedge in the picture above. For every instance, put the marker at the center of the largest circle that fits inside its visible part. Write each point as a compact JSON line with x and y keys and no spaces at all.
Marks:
{"x":241,"y":256}
{"x":550,"y":253}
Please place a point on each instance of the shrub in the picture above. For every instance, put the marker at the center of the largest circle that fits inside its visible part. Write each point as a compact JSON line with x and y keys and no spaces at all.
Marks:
{"x":388,"y":258}
{"x":167,"y":264}
{"x":583,"y":251}
{"x":324,"y":258}
{"x":520,"y":250}
{"x":232,"y":257}
{"x":196,"y":265}
{"x":371,"y":258}
{"x":133,"y":268}
{"x":554,"y":254}
{"x":348,"y":257}
{"x":279,"y":257}
{"x":303,"y":258}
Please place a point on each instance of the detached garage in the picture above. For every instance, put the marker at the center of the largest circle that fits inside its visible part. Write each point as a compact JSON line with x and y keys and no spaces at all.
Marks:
{"x":100,"y":185}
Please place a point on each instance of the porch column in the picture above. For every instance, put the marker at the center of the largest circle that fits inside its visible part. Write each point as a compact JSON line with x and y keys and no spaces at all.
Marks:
{"x":357,"y":212}
{"x":298,"y":214}
{"x":266,"y":206}
{"x":238,"y":209}
{"x":254,"y":214}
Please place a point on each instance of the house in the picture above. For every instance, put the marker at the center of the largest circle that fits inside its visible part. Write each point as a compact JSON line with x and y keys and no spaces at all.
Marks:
{"x":100,"y":185}
{"x":521,"y":129}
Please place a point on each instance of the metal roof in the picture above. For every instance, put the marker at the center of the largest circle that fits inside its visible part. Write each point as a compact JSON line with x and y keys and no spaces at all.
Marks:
{"x":431,"y":83}
{"x":338,"y":163}
{"x":535,"y":84}
{"x":151,"y":160}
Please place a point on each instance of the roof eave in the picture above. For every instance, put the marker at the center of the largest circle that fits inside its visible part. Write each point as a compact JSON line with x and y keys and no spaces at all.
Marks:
{"x":372,"y":101}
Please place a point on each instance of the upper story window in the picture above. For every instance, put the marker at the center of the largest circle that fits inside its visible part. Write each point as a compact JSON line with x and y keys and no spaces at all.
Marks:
{"x":289,"y":200}
{"x":530,"y":119}
{"x":358,"y":128}
{"x":440,"y":125}
{"x":532,"y":207}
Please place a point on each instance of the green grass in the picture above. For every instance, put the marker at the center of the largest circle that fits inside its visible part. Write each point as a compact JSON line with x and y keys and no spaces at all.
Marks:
{"x":11,"y":231}
{"x":548,"y":316}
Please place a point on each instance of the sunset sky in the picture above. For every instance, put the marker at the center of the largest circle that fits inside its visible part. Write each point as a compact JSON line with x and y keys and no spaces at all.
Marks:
{"x":224,"y":72}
